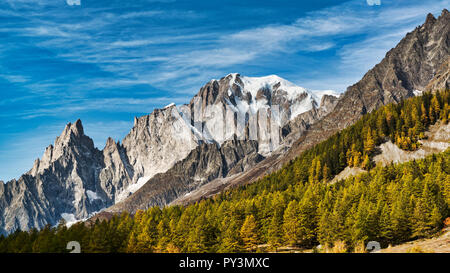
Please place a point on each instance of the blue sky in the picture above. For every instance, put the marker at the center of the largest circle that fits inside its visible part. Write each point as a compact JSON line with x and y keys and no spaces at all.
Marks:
{"x":106,"y":61}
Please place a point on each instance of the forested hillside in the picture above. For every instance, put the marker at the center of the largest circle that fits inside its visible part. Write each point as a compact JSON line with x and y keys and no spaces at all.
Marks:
{"x":294,"y":206}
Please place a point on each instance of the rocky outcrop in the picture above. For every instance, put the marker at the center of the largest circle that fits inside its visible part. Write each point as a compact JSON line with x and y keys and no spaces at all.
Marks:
{"x":441,"y":80}
{"x":234,"y":107}
{"x":327,"y":104}
{"x":250,"y":108}
{"x":437,"y":139}
{"x":155,"y":143}
{"x":295,"y":128}
{"x":116,"y":173}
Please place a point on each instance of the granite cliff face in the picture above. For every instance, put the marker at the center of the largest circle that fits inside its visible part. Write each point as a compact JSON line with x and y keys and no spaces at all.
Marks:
{"x":408,"y":67}
{"x":252,"y":109}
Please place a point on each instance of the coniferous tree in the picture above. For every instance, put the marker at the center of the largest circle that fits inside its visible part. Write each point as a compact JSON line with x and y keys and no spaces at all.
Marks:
{"x":231,"y":240}
{"x":291,"y":223}
{"x":275,"y":232}
{"x":249,"y":233}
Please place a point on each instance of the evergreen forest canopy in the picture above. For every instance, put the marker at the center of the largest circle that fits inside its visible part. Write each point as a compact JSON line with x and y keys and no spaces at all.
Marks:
{"x":295,"y":206}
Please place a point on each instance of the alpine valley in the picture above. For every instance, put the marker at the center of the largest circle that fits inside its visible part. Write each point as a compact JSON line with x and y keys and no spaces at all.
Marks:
{"x":241,"y":131}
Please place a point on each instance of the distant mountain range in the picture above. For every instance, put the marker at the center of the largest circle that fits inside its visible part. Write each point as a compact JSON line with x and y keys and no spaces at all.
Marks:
{"x":235,"y":130}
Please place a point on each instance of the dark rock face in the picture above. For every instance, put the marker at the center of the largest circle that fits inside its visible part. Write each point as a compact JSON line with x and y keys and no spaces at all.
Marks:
{"x":293,"y":130}
{"x":203,"y":164}
{"x":116,"y":172}
{"x":441,"y":80}
{"x":327,"y":104}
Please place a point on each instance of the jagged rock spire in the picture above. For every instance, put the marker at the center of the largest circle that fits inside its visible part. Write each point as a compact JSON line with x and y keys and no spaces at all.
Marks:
{"x":77,"y":128}
{"x":430,"y":19}
{"x":110,"y":142}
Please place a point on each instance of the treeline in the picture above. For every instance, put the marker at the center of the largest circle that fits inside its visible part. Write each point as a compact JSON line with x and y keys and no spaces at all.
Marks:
{"x":292,"y":206}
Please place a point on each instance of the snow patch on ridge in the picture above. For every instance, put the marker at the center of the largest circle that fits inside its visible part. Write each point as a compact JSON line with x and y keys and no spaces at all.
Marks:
{"x":169,"y":105}
{"x":253,"y":84}
{"x":302,"y":106}
{"x":92,"y":196}
{"x":318,"y":94}
{"x":417,"y":93}
{"x":300,"y":100}
{"x":69,"y":218}
{"x":132,"y":188}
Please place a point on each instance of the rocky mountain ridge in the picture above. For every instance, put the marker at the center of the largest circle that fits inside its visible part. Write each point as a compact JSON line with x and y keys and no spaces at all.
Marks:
{"x":181,"y":145}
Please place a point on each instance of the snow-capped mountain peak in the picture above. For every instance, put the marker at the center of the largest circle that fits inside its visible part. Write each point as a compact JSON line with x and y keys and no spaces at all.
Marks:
{"x":272,"y":83}
{"x":251,"y":94}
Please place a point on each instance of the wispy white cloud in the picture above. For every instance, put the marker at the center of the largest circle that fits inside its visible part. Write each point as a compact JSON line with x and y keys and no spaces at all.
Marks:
{"x":14,"y":78}
{"x":46,"y":31}
{"x":318,"y":31}
{"x":83,"y":105}
{"x":127,"y":53}
{"x":369,"y":51}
